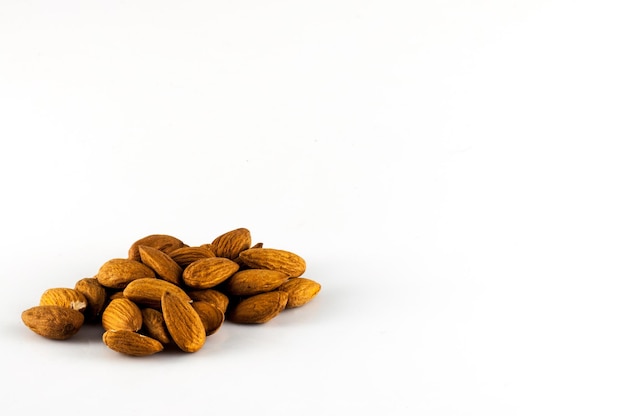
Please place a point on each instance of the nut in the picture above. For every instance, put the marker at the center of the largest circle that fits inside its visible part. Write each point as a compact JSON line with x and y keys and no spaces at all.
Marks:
{"x":52,"y":321}
{"x":122,"y":315}
{"x":274,"y":259}
{"x":131,"y":343}
{"x":61,"y":296}
{"x":207,"y":273}
{"x":259,"y":308}
{"x":183,"y":323}
{"x":117,"y":273}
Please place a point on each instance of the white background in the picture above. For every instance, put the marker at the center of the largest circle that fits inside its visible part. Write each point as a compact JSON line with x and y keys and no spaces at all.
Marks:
{"x":452,"y":171}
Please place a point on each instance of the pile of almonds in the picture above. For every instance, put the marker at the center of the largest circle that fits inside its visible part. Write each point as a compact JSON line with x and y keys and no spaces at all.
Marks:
{"x":167,"y":293}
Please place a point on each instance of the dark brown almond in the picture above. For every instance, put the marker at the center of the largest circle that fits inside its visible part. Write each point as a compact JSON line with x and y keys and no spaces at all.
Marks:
{"x":54,"y":322}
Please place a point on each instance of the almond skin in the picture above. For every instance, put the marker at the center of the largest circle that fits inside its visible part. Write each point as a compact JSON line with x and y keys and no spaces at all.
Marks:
{"x":117,"y":273}
{"x":122,"y":315}
{"x":300,"y":291}
{"x":259,"y":308}
{"x":212,"y":318}
{"x":183,"y":323}
{"x":61,"y":296}
{"x":254,"y":281}
{"x":154,"y":325}
{"x":53,"y":322}
{"x":95,"y":294}
{"x":274,"y":259}
{"x":207,"y":273}
{"x":162,"y":264}
{"x":231,"y":243}
{"x":148,"y":292}
{"x":215,"y":297}
{"x":131,"y":343}
{"x":165,"y":243}
{"x":184,"y":256}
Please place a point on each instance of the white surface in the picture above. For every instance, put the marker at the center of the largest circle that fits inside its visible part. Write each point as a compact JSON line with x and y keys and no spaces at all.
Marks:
{"x":453,"y":173}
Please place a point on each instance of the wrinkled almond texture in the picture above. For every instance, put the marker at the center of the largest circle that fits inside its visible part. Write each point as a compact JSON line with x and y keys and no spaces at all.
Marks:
{"x":259,"y":308}
{"x":95,"y":294}
{"x":131,"y":343}
{"x":184,"y":256}
{"x":217,"y":298}
{"x":154,"y":325}
{"x":183,"y":323}
{"x":163,"y":242}
{"x":148,"y":292}
{"x":254,"y":281}
{"x":207,"y":273}
{"x":212,"y":318}
{"x":162,"y":264}
{"x":274,"y":259}
{"x":123,"y":315}
{"x":54,"y":322}
{"x":300,"y":291}
{"x":117,"y":273}
{"x":61,"y":296}
{"x":231,"y":243}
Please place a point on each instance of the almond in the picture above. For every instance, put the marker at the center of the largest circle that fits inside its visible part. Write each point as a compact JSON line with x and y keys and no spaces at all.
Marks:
{"x":161,"y":264}
{"x":259,"y":308}
{"x":183,"y":323}
{"x":154,"y":325}
{"x":184,"y":256}
{"x":300,"y":291}
{"x":212,"y":318}
{"x":232,"y":243}
{"x":95,"y":294}
{"x":122,"y":314}
{"x":117,"y":273}
{"x":274,"y":259}
{"x":207,"y":273}
{"x":52,"y":321}
{"x":131,"y":343}
{"x":254,"y":281}
{"x":165,"y":243}
{"x":215,"y":297}
{"x":61,"y":296}
{"x":148,"y":292}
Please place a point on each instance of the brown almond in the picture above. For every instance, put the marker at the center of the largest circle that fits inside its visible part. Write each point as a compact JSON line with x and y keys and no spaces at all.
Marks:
{"x":131,"y":343}
{"x":217,"y":298}
{"x":165,"y":243}
{"x":207,"y":273}
{"x":212,"y":318}
{"x":61,"y":296}
{"x":183,"y":323}
{"x":162,"y":264}
{"x":274,"y":259}
{"x":148,"y":292}
{"x":254,"y":281}
{"x":154,"y":325}
{"x":231,"y":243}
{"x":95,"y":294}
{"x":122,"y":315}
{"x":300,"y":291}
{"x":117,"y":273}
{"x":259,"y":308}
{"x":184,"y":256}
{"x":52,"y":321}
